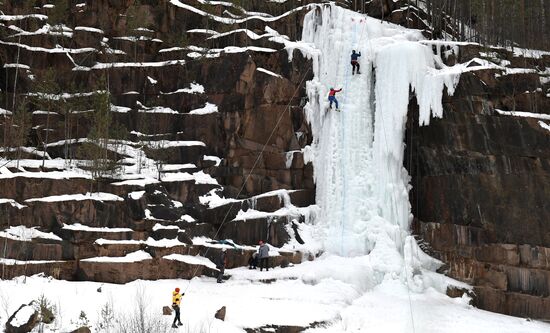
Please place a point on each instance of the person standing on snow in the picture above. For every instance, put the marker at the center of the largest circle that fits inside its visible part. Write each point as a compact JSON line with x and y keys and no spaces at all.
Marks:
{"x":220,"y":265}
{"x":263,"y":254}
{"x":332,"y":97}
{"x":253,"y":261}
{"x":176,"y":299}
{"x":355,"y":62}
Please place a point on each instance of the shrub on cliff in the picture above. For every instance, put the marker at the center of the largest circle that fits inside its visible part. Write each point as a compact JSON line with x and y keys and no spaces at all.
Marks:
{"x":60,"y":13}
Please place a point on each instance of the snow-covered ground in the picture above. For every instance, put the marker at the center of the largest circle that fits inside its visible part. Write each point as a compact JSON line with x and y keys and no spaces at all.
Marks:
{"x":330,"y":290}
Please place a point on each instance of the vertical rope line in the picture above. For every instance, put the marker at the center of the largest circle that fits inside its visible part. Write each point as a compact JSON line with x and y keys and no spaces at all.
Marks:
{"x":343,"y":149}
{"x":5,"y":143}
{"x":5,"y":246}
{"x":16,"y":73}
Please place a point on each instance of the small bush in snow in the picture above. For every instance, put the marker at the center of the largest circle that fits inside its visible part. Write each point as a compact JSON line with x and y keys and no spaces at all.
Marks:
{"x":5,"y":304}
{"x":141,"y":320}
{"x":106,"y":318}
{"x":82,"y":320}
{"x":46,"y":310}
{"x":46,"y":313}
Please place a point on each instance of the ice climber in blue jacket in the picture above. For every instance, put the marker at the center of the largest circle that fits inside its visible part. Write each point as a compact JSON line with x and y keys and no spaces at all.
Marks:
{"x":355,"y":62}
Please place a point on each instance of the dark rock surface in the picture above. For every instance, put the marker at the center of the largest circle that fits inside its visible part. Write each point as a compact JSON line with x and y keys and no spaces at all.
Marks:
{"x":166,"y":311}
{"x":104,"y":43}
{"x":283,"y":328}
{"x":481,"y":183}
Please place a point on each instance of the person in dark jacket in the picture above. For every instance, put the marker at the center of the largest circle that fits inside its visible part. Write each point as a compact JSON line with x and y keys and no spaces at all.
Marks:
{"x":176,"y":299}
{"x":355,"y":62}
{"x":263,"y":254}
{"x":253,"y":261}
{"x":332,"y":97}
{"x":220,"y":265}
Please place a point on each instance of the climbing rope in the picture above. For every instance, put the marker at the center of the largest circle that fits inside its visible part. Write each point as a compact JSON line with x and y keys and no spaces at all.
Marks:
{"x":343,"y":136}
{"x":16,"y":73}
{"x":280,"y":117}
{"x":344,"y":145}
{"x":343,"y":140}
{"x":5,"y":245}
{"x":393,"y":201}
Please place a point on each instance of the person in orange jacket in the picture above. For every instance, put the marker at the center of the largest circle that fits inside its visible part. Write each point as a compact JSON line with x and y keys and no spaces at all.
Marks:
{"x":176,"y":299}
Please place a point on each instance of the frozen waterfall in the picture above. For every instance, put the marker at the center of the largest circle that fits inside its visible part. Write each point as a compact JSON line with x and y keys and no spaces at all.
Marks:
{"x":362,"y":186}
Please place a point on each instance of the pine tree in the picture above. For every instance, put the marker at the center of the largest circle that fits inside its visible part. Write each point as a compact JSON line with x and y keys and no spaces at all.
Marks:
{"x":136,"y":17}
{"x":47,"y":98}
{"x":161,"y":155}
{"x":102,"y":145}
{"x":67,"y":107}
{"x":60,"y":13}
{"x":95,"y":148}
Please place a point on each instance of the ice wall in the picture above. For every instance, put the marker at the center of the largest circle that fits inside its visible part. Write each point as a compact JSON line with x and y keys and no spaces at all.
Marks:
{"x":362,"y":186}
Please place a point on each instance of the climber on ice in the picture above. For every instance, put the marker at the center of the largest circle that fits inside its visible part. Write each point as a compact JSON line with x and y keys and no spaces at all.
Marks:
{"x":332,"y":97}
{"x":355,"y":62}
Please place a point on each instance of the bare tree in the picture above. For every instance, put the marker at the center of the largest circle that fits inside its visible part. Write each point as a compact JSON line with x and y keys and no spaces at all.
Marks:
{"x":21,"y":125}
{"x":141,"y":320}
{"x":96,"y":148}
{"x":497,"y":22}
{"x":46,"y":97}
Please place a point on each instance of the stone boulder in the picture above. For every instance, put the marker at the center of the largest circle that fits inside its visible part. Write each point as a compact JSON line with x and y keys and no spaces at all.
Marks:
{"x":220,"y":314}
{"x":82,"y":329}
{"x":24,"y":319}
{"x":166,"y":311}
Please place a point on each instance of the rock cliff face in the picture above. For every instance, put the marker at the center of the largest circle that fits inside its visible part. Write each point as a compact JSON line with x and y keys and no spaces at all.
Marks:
{"x":480,"y":178}
{"x":220,"y":110}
